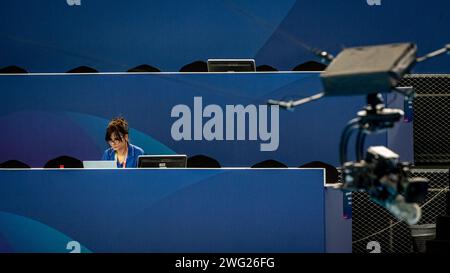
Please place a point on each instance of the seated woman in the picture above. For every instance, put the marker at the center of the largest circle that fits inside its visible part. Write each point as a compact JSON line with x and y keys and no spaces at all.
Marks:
{"x":122,"y":151}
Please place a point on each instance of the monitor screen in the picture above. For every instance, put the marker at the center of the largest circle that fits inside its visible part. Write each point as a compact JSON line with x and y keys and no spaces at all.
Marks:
{"x":231,"y":65}
{"x":162,"y":161}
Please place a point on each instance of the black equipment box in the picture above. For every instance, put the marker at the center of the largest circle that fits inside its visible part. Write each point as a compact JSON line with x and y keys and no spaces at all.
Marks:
{"x":369,"y":69}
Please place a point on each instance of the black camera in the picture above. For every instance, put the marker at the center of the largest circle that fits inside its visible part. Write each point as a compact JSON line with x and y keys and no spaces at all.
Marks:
{"x":387,"y":183}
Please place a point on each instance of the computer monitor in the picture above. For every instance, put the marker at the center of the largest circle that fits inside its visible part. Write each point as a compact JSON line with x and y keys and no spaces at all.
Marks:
{"x":231,"y":65}
{"x":99,"y":164}
{"x":162,"y":161}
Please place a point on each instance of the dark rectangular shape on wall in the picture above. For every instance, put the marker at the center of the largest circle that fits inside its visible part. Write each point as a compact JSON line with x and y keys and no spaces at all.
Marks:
{"x":431,"y":118}
{"x":231,"y":65}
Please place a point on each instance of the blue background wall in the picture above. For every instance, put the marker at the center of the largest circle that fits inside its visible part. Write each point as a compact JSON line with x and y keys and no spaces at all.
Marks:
{"x":113,"y":35}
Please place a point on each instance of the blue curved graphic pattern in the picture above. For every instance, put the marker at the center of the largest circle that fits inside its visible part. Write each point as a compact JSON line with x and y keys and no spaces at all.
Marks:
{"x":95,"y":128}
{"x":22,"y":234}
{"x":117,"y":35}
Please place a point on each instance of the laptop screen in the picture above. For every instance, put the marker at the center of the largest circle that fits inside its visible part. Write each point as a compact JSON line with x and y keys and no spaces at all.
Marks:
{"x":100,"y":164}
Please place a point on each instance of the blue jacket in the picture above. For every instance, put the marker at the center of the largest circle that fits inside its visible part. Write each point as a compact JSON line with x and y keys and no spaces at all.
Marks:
{"x":132,"y":157}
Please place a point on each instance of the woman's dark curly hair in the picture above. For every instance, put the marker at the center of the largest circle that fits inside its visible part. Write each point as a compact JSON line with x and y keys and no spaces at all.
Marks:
{"x":117,"y":126}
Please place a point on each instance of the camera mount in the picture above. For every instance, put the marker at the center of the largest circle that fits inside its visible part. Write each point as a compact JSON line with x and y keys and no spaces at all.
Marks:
{"x":379,"y":173}
{"x":361,"y":71}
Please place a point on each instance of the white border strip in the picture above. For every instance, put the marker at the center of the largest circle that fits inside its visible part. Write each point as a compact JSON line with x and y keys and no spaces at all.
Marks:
{"x":158,"y":73}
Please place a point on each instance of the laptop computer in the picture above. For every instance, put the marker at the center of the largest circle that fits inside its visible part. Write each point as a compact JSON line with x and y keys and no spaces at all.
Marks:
{"x":162,"y":161}
{"x":99,"y":164}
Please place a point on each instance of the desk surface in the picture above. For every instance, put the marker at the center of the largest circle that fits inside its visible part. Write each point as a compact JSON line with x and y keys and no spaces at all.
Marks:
{"x":154,"y":210}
